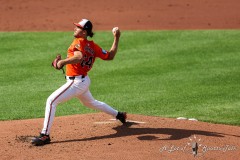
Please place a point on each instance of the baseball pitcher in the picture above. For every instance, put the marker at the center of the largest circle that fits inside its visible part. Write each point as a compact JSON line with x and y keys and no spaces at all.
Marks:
{"x":81,"y":55}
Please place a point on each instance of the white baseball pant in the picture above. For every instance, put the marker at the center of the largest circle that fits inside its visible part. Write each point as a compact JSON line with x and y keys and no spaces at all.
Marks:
{"x":78,"y":88}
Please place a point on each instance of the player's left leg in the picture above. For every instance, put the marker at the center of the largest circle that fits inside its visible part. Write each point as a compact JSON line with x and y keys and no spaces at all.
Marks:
{"x":64,"y":93}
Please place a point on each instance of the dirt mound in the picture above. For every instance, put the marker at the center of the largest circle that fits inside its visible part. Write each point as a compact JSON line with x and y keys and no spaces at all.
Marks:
{"x":98,"y":136}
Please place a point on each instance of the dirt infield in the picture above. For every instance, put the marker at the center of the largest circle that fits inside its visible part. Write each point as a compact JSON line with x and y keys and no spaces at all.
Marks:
{"x":58,"y":15}
{"x":98,"y":136}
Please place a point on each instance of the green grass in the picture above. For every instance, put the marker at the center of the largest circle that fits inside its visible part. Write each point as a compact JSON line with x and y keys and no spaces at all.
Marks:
{"x":160,"y":73}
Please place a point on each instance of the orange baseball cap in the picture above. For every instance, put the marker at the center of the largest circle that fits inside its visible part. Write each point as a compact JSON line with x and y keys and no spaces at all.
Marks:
{"x":84,"y":24}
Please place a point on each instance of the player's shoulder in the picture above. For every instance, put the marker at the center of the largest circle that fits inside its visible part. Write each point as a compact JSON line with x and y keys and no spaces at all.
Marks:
{"x":92,"y":44}
{"x":85,"y":41}
{"x":79,"y":39}
{"x":95,"y":44}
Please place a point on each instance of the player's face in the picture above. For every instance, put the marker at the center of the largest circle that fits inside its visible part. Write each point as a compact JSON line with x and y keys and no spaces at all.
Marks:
{"x":79,"y":32}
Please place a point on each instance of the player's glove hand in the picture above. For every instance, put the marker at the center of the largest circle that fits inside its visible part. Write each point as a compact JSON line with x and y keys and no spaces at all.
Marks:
{"x":55,"y":61}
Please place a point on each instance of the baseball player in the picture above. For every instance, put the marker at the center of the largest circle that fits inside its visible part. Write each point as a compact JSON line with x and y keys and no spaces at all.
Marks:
{"x":80,"y":58}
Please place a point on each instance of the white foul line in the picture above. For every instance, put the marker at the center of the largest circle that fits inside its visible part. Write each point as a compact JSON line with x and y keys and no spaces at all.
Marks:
{"x":128,"y":121}
{"x":104,"y":122}
{"x":114,"y":120}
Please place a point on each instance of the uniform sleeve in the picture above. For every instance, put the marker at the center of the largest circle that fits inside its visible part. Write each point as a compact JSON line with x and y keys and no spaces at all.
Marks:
{"x":77,"y":45}
{"x":101,"y":53}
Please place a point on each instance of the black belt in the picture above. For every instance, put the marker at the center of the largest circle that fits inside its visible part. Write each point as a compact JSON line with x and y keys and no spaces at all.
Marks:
{"x":72,"y":78}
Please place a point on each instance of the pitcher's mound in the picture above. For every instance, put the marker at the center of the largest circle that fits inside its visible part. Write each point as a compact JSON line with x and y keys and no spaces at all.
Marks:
{"x":99,"y":136}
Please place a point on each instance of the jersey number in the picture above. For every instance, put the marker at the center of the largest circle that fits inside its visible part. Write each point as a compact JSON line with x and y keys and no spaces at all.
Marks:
{"x":87,"y":61}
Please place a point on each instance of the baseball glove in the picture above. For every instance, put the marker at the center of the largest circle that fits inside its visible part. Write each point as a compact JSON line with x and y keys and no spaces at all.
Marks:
{"x":55,"y":61}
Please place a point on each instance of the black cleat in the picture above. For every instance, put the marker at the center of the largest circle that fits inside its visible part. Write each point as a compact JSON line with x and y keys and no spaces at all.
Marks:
{"x":41,"y":140}
{"x":122,"y":116}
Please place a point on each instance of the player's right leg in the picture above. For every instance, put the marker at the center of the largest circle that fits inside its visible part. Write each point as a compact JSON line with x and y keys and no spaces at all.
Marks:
{"x":88,"y":100}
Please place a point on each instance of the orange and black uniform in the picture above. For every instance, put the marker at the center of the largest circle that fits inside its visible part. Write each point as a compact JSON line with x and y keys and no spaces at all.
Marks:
{"x":90,"y":51}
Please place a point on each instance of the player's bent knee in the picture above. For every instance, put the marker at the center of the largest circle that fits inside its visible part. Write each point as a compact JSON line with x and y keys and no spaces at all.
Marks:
{"x":51,"y":101}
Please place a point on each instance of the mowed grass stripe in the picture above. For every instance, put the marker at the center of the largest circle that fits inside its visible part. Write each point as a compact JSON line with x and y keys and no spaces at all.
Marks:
{"x":160,"y":73}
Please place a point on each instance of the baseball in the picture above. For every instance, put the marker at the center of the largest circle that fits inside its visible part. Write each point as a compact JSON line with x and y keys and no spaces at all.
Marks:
{"x":114,"y":29}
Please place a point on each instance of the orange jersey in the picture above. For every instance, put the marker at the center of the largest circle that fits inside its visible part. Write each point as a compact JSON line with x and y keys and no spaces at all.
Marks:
{"x":90,"y":51}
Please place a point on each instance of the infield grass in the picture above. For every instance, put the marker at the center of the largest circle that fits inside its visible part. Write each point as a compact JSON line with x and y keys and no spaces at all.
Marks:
{"x":193,"y":74}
